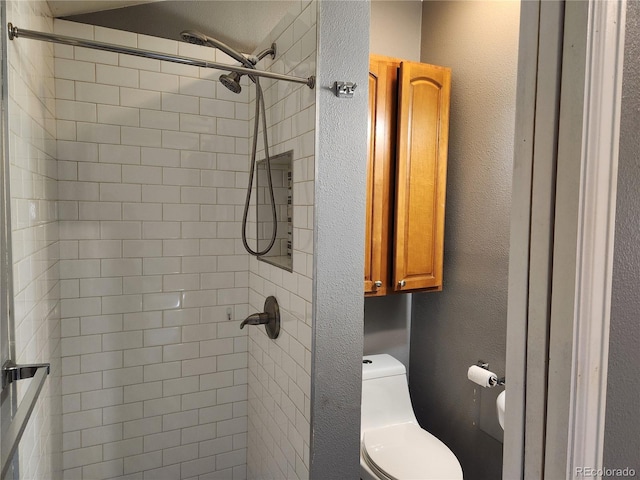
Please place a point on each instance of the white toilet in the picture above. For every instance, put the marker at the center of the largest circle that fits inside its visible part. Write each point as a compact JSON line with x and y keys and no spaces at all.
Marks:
{"x":392,"y":444}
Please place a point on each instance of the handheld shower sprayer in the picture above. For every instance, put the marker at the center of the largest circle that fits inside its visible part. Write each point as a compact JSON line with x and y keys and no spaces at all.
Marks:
{"x":231,"y":81}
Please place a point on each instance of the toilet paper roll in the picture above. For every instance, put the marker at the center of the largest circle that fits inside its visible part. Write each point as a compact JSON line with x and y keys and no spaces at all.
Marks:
{"x":482,"y":377}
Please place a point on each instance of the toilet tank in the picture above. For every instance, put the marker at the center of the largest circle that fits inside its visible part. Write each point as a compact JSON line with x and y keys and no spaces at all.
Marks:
{"x":385,"y":393}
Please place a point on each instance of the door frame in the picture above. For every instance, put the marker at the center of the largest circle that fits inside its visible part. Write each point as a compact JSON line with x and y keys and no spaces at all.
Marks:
{"x":562,"y":233}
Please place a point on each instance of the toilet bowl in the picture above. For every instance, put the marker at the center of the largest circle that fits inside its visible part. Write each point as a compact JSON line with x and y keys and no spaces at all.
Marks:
{"x":393,"y":446}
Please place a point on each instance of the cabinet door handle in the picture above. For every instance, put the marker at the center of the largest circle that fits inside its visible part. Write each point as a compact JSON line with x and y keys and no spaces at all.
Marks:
{"x":402,"y":283}
{"x":378,"y":283}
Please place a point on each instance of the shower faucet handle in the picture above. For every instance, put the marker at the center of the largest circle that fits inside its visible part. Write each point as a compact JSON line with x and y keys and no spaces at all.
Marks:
{"x":255,"y":319}
{"x":270,"y":318}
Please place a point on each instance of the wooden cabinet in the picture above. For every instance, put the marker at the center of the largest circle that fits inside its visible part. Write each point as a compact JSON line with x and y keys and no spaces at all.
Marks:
{"x":408,"y":134}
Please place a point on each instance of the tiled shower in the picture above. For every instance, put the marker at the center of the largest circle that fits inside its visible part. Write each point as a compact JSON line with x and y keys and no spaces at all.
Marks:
{"x":127,"y":243}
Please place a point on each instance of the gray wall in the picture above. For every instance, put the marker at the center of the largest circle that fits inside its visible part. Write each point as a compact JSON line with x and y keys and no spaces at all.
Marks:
{"x":622,"y":427}
{"x":395,"y":31}
{"x":466,"y":322}
{"x":341,"y":139}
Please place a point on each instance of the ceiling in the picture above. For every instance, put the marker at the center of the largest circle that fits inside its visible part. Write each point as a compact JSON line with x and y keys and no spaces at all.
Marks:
{"x":241,"y":24}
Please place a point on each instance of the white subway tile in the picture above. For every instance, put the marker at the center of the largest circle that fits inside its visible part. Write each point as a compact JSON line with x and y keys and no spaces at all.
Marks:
{"x":123,"y":376}
{"x":217,"y":143}
{"x":157,"y":44}
{"x":160,"y":441}
{"x":232,"y":128}
{"x":179,"y":454}
{"x":233,"y":426}
{"x":162,"y":82}
{"x":143,"y":137}
{"x":99,"y":248}
{"x":121,"y":304}
{"x":216,"y":446}
{"x":102,"y":323}
{"x":122,"y":193}
{"x":141,"y":174}
{"x":81,"y":383}
{"x":198,"y":367}
{"x":74,"y":70}
{"x":103,"y":470}
{"x":142,"y":427}
{"x":142,"y":284}
{"x":119,"y":154}
{"x":162,"y":406}
{"x":184,"y":213}
{"x":179,"y":386}
{"x":99,"y":211}
{"x":117,"y":267}
{"x":139,"y":463}
{"x":180,"y":351}
{"x":77,"y":151}
{"x":161,"y":371}
{"x":221,"y":347}
{"x":142,"y":391}
{"x":217,"y":108}
{"x":198,"y":433}
{"x":99,"y":172}
{"x":160,"y":157}
{"x":174,"y":421}
{"x":70,"y":366}
{"x":81,"y":420}
{"x":161,"y":266}
{"x":142,"y":356}
{"x":199,"y":264}
{"x":121,"y":449}
{"x":115,"y":37}
{"x":217,"y":380}
{"x":77,"y":307}
{"x":122,"y":116}
{"x":82,"y":456}
{"x":180,"y":140}
{"x":231,"y":459}
{"x":120,"y":230}
{"x":121,"y":341}
{"x":141,"y":248}
{"x":162,"y":336}
{"x":96,"y":93}
{"x":121,"y":413}
{"x":198,"y":467}
{"x":95,"y":56}
{"x":98,"y":133}
{"x":78,"y":111}
{"x":96,"y":362}
{"x":172,"y":283}
{"x":160,"y":230}
{"x":180,"y":176}
{"x":142,"y":211}
{"x":100,"y":435}
{"x":142,"y":320}
{"x":188,"y":316}
{"x":123,"y":77}
{"x":133,"y":97}
{"x":159,"y":120}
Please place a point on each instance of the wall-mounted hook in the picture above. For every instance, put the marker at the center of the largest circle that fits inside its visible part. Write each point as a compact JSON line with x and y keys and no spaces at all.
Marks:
{"x":344,"y":89}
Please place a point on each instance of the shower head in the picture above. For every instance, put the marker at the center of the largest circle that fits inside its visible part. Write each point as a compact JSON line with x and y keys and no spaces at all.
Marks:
{"x":191,"y":36}
{"x":231,"y":81}
{"x":197,"y":38}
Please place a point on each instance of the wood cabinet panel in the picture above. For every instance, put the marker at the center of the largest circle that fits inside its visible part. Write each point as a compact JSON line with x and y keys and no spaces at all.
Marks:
{"x":406,"y":174}
{"x":423,"y":131}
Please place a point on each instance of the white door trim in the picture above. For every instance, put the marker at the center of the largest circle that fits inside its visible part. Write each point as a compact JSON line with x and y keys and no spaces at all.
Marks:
{"x":583,"y":231}
{"x":600,"y":142}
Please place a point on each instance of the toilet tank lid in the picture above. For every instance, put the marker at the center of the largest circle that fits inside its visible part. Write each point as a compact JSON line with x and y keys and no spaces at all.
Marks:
{"x":383,"y":365}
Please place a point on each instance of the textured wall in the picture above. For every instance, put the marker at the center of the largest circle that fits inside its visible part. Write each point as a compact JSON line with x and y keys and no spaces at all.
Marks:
{"x":343,"y":51}
{"x":280,"y":369}
{"x":396,"y":28}
{"x":466,"y":322}
{"x":34,"y":188}
{"x":152,"y":165}
{"x":622,"y":442}
{"x":395,"y":32}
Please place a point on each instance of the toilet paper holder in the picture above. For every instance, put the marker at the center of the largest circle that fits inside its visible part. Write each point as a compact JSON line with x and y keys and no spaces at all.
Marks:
{"x":501,"y":380}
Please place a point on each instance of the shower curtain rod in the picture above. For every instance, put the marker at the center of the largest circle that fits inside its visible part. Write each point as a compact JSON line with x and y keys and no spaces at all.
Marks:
{"x":15,"y":32}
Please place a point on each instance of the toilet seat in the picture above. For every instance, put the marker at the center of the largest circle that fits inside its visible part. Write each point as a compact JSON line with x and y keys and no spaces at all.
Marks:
{"x":407,"y":452}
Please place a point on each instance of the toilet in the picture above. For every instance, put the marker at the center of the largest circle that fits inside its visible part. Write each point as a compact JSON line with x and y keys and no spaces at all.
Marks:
{"x":392,"y":444}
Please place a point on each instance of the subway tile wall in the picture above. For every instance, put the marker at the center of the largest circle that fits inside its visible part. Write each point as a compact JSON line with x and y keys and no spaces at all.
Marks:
{"x":33,"y":187}
{"x":152,"y":169}
{"x":279,"y":370}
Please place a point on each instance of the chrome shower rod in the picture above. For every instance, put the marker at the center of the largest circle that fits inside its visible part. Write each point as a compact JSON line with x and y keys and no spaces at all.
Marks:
{"x":15,"y":32}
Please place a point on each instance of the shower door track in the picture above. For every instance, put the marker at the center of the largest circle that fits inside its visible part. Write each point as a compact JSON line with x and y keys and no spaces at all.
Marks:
{"x":15,"y":32}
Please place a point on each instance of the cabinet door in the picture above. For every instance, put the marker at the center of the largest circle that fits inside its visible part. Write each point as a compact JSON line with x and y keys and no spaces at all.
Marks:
{"x":423,"y":131}
{"x":383,"y":87}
